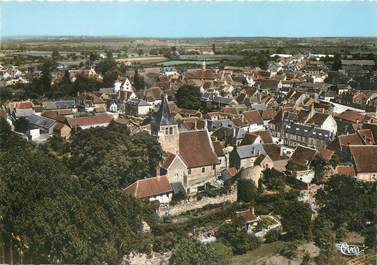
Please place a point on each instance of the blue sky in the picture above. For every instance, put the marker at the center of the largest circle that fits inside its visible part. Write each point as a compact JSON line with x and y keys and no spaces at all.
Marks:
{"x":189,"y":19}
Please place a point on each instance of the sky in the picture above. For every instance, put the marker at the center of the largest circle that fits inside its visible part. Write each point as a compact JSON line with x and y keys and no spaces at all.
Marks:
{"x":190,"y":19}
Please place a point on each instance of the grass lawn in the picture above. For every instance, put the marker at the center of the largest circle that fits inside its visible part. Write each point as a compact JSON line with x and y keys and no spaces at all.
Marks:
{"x":265,"y":250}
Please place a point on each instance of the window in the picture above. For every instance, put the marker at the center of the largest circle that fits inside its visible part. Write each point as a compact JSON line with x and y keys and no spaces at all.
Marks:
{"x":166,"y":131}
{"x":214,"y":167}
{"x":189,"y":171}
{"x":171,"y":130}
{"x":203,"y":169}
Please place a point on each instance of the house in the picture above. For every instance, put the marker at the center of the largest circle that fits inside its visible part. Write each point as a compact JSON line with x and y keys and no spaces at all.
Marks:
{"x":248,"y":218}
{"x":253,"y":119}
{"x":62,"y":130}
{"x":303,"y":134}
{"x":272,"y":158}
{"x":21,"y":109}
{"x":323,"y":121}
{"x":138,"y":107}
{"x":60,"y":105}
{"x":364,"y":158}
{"x":244,"y":156}
{"x":91,"y":121}
{"x":299,"y":163}
{"x":44,"y":124}
{"x":257,"y":154}
{"x":152,"y":189}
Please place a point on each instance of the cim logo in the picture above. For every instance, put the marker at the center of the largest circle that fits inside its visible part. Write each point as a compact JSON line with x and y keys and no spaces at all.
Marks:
{"x":350,"y":250}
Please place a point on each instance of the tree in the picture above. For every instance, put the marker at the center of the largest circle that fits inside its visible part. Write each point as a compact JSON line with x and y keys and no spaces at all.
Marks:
{"x":192,"y":252}
{"x":21,"y":125}
{"x":120,"y":158}
{"x":323,"y":236}
{"x":337,"y":62}
{"x":272,"y":236}
{"x":346,"y":201}
{"x":289,"y":250}
{"x":138,"y":81}
{"x":260,"y":186}
{"x":235,"y":235}
{"x":246,"y":190}
{"x":222,"y":251}
{"x":273,"y":179}
{"x":53,"y":216}
{"x":296,"y":219}
{"x":188,"y":97}
{"x":7,"y":137}
{"x":55,"y":55}
{"x":318,"y":165}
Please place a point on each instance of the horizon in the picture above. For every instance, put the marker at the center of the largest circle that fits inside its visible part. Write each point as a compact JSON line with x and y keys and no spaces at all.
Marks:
{"x":173,"y":20}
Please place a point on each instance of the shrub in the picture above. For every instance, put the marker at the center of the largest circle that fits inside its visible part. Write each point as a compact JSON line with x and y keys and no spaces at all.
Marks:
{"x":272,"y":236}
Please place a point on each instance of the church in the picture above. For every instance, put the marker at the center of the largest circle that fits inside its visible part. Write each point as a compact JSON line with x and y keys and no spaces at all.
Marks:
{"x":190,"y":156}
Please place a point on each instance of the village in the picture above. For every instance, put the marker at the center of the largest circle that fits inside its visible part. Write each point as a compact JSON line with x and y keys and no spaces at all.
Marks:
{"x":233,"y":138}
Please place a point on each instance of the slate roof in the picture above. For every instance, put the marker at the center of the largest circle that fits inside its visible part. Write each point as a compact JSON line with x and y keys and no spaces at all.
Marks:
{"x":215,"y":124}
{"x":163,"y":115}
{"x":308,"y":131}
{"x":40,"y":121}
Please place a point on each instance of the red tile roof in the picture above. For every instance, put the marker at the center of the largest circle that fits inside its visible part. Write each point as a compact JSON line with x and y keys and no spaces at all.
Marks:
{"x":365,"y":158}
{"x":367,"y":136}
{"x":149,"y":187}
{"x":351,"y":116}
{"x":253,"y":117}
{"x":303,"y":155}
{"x":345,"y":170}
{"x":196,"y":150}
{"x":89,"y":120}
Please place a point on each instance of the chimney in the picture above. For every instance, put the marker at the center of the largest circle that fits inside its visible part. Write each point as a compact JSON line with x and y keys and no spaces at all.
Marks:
{"x":252,"y":210}
{"x":281,"y":151}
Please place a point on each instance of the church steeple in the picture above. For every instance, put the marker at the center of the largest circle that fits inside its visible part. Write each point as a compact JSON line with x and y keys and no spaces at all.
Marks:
{"x":162,"y":117}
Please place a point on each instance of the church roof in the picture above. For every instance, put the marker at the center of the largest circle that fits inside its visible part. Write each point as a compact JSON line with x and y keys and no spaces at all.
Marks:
{"x":163,"y":115}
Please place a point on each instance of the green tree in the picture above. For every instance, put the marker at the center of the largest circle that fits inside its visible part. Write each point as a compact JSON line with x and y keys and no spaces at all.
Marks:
{"x":138,"y":81}
{"x":273,"y":179}
{"x":55,"y":55}
{"x":318,"y":165}
{"x":21,"y":125}
{"x":7,"y":137}
{"x":188,"y":97}
{"x":345,"y":201}
{"x":296,"y":219}
{"x":222,"y":251}
{"x":246,"y":190}
{"x":324,"y":236}
{"x":192,"y":252}
{"x":53,"y":216}
{"x":272,"y":236}
{"x":235,"y":235}
{"x":289,"y":250}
